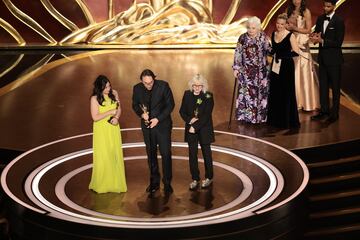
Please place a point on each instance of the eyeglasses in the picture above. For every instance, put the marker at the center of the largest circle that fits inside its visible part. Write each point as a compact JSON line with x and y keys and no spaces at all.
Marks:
{"x":197,"y":86}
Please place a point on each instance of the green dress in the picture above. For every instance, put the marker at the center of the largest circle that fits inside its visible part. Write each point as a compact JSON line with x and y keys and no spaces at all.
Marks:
{"x":108,"y":172}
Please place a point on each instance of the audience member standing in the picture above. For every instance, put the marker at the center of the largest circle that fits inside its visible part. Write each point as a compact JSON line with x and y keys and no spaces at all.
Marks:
{"x":282,"y":111}
{"x":329,"y":34}
{"x":306,"y":82}
{"x":251,"y":73}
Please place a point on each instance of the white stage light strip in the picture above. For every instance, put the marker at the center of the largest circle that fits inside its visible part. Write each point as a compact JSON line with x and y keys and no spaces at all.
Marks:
{"x":15,"y":198}
{"x":301,"y":163}
{"x":220,"y":217}
{"x":247,"y":189}
{"x":18,"y":158}
{"x":32,"y":175}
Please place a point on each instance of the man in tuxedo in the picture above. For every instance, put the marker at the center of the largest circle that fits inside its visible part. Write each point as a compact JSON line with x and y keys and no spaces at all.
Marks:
{"x":196,"y":110}
{"x":329,"y":34}
{"x":153,"y":102}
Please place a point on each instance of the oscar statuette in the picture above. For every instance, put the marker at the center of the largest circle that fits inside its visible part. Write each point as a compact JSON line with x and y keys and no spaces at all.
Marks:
{"x":145,"y":110}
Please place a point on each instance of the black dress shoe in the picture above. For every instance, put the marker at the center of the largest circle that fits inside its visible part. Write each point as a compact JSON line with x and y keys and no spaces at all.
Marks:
{"x":152,"y":189}
{"x":168,"y":189}
{"x":319,"y":116}
{"x":332,"y":119}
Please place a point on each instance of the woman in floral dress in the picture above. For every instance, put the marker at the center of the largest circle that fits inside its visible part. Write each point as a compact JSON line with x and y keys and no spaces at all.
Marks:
{"x":250,"y":69}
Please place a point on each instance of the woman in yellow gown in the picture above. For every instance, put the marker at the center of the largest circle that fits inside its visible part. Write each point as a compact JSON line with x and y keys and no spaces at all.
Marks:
{"x":108,"y":172}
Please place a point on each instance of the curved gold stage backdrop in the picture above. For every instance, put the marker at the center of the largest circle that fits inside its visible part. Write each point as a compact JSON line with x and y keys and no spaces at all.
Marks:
{"x":131,"y":22}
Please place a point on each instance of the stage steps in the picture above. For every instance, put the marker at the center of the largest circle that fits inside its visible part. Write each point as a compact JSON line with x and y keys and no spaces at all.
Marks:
{"x":344,"y":165}
{"x":333,"y":191}
{"x":335,"y":233}
{"x":341,"y":181}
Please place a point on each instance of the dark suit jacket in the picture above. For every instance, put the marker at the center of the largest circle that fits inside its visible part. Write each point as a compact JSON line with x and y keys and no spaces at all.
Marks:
{"x":204,"y":126}
{"x":162,"y":102}
{"x":330,"y":52}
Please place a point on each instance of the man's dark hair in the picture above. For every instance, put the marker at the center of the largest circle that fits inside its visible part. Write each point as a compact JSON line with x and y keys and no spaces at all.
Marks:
{"x":333,"y":2}
{"x":147,"y":72}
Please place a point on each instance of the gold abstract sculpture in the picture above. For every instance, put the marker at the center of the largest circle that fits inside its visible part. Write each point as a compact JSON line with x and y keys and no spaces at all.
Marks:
{"x":157,"y":22}
{"x":161,"y":22}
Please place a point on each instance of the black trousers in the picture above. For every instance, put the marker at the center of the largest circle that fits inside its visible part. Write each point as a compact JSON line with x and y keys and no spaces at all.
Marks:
{"x":330,"y":75}
{"x":193,"y":160}
{"x":158,"y":136}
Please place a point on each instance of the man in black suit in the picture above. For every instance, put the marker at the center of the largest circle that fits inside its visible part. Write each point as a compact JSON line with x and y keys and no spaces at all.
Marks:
{"x":153,"y":102}
{"x":329,"y":33}
{"x":196,"y":110}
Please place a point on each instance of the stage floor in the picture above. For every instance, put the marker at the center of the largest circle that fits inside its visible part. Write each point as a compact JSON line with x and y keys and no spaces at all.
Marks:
{"x":256,"y":184}
{"x":52,"y":101}
{"x":259,"y":184}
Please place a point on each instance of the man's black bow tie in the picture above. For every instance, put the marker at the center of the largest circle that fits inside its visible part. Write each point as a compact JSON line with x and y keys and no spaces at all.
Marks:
{"x":327,"y":19}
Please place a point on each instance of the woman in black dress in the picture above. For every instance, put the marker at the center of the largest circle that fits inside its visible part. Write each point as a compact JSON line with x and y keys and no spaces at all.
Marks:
{"x":282,"y":108}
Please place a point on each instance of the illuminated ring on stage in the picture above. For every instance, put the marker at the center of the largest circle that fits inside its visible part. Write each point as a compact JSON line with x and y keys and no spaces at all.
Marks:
{"x":35,"y":177}
{"x":245,"y":193}
{"x":234,"y":217}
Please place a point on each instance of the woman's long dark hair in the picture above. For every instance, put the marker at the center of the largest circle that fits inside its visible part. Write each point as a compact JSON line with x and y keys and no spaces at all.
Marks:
{"x":291,"y":8}
{"x":99,"y":86}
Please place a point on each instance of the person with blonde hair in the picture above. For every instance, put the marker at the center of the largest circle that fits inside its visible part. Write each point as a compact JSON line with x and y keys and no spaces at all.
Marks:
{"x":196,"y":110}
{"x":282,"y":110}
{"x":250,"y":70}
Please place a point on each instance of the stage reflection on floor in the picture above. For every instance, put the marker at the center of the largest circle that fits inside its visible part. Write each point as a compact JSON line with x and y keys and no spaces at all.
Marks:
{"x":44,"y":109}
{"x":46,"y":96}
{"x":259,"y":179}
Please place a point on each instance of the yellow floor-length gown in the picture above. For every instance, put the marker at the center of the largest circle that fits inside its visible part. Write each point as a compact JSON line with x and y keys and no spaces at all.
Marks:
{"x":108,"y":172}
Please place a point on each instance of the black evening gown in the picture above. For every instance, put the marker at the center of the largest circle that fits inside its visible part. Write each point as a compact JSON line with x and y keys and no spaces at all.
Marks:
{"x":282,"y":106}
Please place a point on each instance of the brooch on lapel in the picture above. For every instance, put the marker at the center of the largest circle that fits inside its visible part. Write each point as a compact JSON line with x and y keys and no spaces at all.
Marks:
{"x":208,"y":95}
{"x":198,"y":101}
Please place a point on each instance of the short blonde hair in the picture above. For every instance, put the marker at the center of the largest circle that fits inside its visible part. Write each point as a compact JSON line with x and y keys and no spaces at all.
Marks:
{"x":199,"y":80}
{"x":254,"y":20}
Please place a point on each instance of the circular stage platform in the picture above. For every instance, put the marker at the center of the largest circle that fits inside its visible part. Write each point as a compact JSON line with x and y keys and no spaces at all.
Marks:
{"x":257,"y":191}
